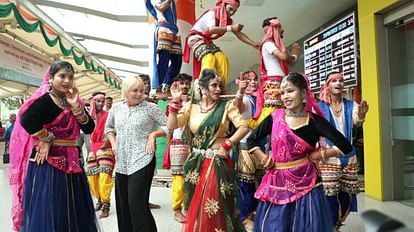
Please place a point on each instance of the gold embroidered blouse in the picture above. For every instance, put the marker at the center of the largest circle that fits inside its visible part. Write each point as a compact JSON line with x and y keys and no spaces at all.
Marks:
{"x":190,"y":113}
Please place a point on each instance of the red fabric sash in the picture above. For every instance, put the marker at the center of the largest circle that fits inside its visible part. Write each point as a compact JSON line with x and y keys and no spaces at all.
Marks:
{"x":97,"y":135}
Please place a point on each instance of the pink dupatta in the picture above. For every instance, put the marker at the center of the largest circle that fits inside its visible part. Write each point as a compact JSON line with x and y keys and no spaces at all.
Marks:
{"x":282,"y":186}
{"x":21,"y":145}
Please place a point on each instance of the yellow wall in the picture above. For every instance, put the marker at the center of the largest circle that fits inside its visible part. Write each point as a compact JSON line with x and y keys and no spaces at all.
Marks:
{"x":370,"y":93}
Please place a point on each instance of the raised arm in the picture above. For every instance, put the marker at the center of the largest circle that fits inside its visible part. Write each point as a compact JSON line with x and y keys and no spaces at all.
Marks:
{"x":177,"y":114}
{"x":162,"y":6}
{"x":245,"y":39}
{"x":238,"y":100}
{"x":174,"y":106}
{"x":358,"y":115}
{"x":294,"y":53}
{"x":289,"y":57}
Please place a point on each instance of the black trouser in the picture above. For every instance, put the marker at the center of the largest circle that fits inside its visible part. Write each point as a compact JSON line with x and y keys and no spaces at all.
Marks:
{"x":132,"y":197}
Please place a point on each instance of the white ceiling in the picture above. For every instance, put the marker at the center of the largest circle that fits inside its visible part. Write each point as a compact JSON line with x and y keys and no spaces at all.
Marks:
{"x":117,"y":33}
{"x":87,"y":80}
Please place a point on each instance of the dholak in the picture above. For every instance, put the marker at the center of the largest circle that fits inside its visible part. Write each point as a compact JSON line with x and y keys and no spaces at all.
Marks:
{"x":178,"y":155}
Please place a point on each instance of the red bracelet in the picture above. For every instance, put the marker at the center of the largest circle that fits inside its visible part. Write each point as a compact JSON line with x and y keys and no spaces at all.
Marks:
{"x":173,"y":109}
{"x":226,"y":144}
{"x":175,"y":105}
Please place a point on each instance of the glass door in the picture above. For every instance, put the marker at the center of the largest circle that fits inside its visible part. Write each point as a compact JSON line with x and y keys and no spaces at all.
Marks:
{"x":401,"y":73}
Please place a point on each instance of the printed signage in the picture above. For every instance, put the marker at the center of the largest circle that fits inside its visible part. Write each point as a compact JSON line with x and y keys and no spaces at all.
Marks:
{"x":333,"y":49}
{"x":21,"y":64}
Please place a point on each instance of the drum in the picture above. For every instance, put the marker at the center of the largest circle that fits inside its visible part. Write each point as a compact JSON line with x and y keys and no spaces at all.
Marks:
{"x":178,"y":155}
{"x":271,"y":93}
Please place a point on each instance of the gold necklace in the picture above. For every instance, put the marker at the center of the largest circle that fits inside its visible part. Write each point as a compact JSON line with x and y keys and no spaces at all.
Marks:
{"x":206,"y":110}
{"x":60,"y":101}
{"x":337,"y":109}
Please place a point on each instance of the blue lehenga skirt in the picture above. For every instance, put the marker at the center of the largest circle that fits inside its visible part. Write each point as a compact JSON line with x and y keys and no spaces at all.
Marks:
{"x":309,"y":213}
{"x":57,"y":202}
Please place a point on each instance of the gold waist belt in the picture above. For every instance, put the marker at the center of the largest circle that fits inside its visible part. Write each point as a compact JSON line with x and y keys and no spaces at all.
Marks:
{"x":293,"y":164}
{"x":64,"y":143}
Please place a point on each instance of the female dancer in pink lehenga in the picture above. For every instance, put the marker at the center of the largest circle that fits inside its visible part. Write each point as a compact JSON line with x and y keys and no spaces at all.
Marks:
{"x":49,"y":186}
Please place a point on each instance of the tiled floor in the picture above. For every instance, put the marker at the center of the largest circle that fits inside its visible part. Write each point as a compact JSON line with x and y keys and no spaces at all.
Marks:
{"x":165,"y":222}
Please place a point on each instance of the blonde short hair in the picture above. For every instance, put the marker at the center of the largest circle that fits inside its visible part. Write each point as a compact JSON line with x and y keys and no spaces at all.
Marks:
{"x":131,"y":83}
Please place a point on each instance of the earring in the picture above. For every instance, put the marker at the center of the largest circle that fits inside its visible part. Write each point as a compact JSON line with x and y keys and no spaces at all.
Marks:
{"x":203,"y":93}
{"x":49,"y":83}
{"x":303,"y":96}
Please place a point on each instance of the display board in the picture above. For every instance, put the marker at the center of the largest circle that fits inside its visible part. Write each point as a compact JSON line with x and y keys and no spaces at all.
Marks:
{"x":333,"y":49}
{"x":20,"y":64}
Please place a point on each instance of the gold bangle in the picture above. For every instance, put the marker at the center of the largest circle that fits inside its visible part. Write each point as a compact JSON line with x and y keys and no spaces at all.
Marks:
{"x":49,"y":138}
{"x":264,"y":160}
{"x":253,"y":149}
{"x":83,"y":121}
{"x":77,"y":105}
{"x":76,"y":108}
{"x":323,"y":152}
{"x":269,"y":163}
{"x":41,"y":133}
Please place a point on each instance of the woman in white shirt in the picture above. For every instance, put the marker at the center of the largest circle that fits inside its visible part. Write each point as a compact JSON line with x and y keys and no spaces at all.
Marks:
{"x":131,"y":129}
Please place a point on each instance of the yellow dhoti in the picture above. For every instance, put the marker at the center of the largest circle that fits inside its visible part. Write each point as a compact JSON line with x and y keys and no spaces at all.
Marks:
{"x":210,"y":56}
{"x":177,"y":191}
{"x":179,"y":153}
{"x":101,"y":186}
{"x":217,"y":61}
{"x":100,"y":167}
